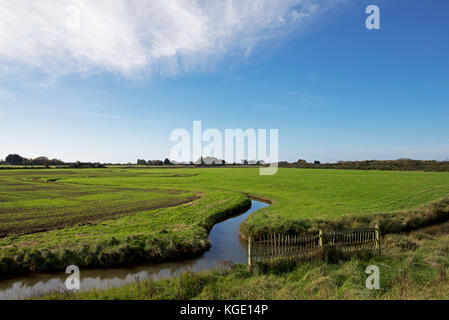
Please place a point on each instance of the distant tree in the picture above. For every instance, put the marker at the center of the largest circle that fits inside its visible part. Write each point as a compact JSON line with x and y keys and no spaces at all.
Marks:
{"x":317,"y":162}
{"x":245,"y":162}
{"x":40,"y":161}
{"x":14,"y":159}
{"x":141,"y":162}
{"x":83,"y":165}
{"x":167,"y":162}
{"x":56,"y":162}
{"x":155,"y":162}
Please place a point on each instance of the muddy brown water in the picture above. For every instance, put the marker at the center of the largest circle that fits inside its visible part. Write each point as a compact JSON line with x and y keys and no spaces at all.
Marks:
{"x":226,"y":247}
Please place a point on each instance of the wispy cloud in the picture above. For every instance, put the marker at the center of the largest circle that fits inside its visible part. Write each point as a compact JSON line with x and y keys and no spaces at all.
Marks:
{"x":135,"y":37}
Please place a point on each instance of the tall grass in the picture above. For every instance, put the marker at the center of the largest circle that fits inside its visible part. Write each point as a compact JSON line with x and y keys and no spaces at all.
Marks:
{"x":412,"y":266}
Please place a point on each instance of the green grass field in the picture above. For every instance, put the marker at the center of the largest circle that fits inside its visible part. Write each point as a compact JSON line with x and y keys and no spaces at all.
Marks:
{"x":101,"y":217}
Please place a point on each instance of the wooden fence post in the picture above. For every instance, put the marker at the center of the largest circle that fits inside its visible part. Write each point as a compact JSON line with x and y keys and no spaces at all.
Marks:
{"x":377,"y":238}
{"x":321,"y":239}
{"x":249,"y":252}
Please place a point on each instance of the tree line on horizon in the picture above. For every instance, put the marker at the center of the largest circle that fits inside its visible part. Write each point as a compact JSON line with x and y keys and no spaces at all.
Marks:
{"x":17,"y":160}
{"x":202,"y":161}
{"x":392,"y":165}
{"x":397,"y":165}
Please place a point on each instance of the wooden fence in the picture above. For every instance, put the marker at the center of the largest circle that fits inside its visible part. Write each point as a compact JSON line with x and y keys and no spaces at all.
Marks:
{"x":286,"y":247}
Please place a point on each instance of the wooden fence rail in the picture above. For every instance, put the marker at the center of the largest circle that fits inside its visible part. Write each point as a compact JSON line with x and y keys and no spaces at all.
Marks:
{"x":286,"y":247}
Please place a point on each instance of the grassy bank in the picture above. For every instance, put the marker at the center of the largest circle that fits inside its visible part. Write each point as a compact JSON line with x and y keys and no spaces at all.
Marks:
{"x":139,"y":233}
{"x":156,"y":235}
{"x":412,"y":266}
{"x":435,"y":212}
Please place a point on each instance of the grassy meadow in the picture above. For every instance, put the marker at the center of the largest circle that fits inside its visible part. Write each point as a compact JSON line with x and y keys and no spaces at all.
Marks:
{"x":104,"y":217}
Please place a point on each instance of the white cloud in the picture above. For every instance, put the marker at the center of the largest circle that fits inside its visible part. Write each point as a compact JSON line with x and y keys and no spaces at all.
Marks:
{"x":132,"y":37}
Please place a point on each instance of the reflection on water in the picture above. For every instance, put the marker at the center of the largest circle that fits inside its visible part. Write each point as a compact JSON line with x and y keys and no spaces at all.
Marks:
{"x":227,"y":246}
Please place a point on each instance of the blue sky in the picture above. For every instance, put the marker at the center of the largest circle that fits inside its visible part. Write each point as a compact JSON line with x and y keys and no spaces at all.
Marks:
{"x":335,"y":90}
